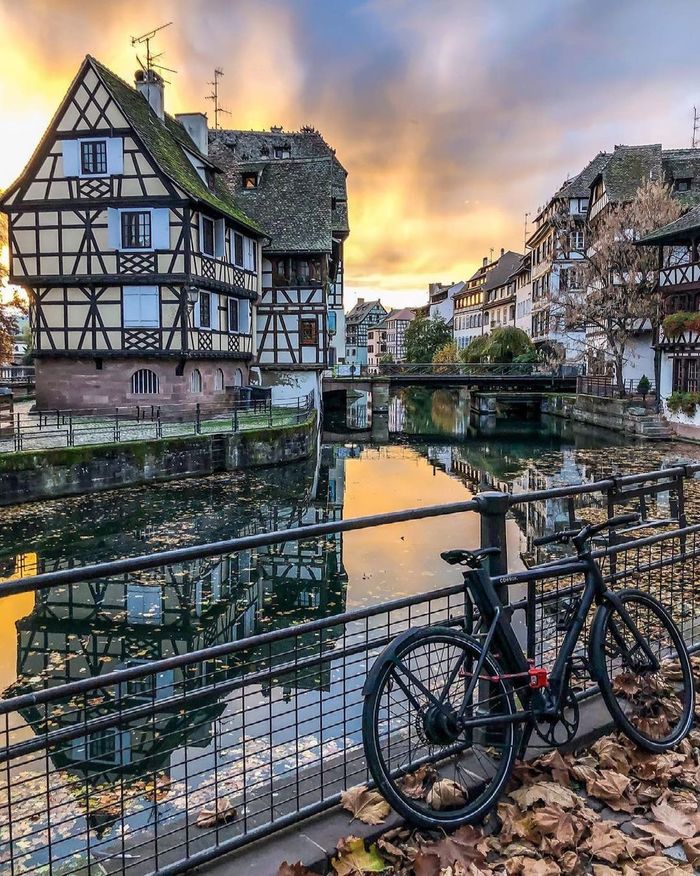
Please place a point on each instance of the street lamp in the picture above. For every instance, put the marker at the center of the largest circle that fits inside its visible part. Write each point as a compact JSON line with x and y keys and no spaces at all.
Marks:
{"x":192,"y":295}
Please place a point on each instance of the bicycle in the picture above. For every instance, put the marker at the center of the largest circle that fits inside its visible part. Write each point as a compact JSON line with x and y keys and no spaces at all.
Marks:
{"x":446,"y":714}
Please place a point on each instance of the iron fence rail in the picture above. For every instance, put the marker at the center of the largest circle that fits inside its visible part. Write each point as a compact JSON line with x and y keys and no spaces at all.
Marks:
{"x":605,"y":387}
{"x":68,"y":428}
{"x":162,"y":765}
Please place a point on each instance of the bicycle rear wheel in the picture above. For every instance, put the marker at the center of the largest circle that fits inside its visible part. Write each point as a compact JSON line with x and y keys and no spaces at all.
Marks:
{"x":432,"y":771}
{"x":642,"y":666}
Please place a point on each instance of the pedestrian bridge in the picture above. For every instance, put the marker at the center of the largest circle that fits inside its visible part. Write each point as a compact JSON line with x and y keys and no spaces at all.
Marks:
{"x":481,"y":377}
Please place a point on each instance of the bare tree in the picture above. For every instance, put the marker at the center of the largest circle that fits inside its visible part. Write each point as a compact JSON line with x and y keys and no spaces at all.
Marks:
{"x":615,"y":289}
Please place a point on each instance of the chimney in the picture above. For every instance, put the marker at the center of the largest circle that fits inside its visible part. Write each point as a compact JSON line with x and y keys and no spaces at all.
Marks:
{"x":485,"y":262}
{"x":150,"y":84}
{"x":502,"y":250}
{"x":360,"y":300}
{"x":197,"y":127}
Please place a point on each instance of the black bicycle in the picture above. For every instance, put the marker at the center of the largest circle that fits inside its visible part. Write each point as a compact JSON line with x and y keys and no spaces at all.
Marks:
{"x":446,"y":712}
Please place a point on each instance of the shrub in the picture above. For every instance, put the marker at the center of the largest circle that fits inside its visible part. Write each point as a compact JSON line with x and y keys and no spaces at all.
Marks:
{"x":676,"y":323}
{"x":643,"y":386}
{"x":686,"y":402}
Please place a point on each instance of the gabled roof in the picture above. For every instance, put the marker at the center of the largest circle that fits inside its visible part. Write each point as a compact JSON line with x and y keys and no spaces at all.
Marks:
{"x":579,"y":185}
{"x":405,"y":314}
{"x":628,"y":167}
{"x":686,"y":225}
{"x":503,"y":269}
{"x":361,"y":310}
{"x":301,"y":201}
{"x":165,"y":140}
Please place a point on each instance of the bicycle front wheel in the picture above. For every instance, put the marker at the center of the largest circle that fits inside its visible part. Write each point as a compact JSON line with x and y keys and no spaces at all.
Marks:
{"x":643,"y":669}
{"x":431,"y":769}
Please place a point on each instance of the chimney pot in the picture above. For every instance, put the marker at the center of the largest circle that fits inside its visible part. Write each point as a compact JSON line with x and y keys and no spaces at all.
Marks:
{"x":502,"y":250}
{"x":150,"y":84}
{"x":485,"y":262}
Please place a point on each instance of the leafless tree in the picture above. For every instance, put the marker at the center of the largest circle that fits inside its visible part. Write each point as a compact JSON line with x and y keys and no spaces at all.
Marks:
{"x":11,"y":305}
{"x":615,"y":289}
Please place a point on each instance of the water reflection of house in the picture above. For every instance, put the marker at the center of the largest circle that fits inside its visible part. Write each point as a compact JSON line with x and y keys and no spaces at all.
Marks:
{"x":91,"y":628}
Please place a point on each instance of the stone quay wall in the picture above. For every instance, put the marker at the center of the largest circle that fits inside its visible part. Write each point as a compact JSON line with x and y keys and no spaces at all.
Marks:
{"x":50,"y":474}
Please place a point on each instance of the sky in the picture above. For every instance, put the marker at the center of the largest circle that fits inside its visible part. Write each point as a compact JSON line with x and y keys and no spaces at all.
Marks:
{"x":453,"y":118}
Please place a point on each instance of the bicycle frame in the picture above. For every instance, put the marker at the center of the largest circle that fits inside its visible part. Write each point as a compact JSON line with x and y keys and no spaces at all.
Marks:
{"x":493,"y":616}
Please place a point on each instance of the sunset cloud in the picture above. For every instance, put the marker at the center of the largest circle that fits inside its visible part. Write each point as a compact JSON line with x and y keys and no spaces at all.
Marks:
{"x":453,"y":118}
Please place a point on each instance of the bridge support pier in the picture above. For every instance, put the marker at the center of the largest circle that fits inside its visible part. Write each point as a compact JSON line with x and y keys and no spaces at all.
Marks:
{"x":380,"y":428}
{"x":380,"y":396}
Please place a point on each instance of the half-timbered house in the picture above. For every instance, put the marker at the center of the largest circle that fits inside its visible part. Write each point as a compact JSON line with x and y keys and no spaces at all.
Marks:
{"x":358,"y":321}
{"x":293,"y":186}
{"x":142,"y":272}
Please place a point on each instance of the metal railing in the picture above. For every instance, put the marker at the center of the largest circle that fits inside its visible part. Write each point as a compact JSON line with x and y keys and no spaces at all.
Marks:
{"x":163,"y":765}
{"x":17,"y":375}
{"x":475,"y":369}
{"x":603,"y":386}
{"x":69,"y":428}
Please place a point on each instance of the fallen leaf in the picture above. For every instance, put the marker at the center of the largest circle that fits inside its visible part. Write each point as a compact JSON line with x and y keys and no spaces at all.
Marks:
{"x":426,"y":864}
{"x":222,"y":812}
{"x":691,"y":847}
{"x":416,"y":785}
{"x":365,"y":805}
{"x":354,"y":859}
{"x":607,"y":842}
{"x":604,"y":870}
{"x":445,"y":794}
{"x":297,"y":869}
{"x":660,"y":865}
{"x":462,"y":847}
{"x":610,"y":786}
{"x":545,"y":792}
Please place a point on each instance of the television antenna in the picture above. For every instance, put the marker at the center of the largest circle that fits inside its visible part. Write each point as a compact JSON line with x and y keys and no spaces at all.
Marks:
{"x":527,"y":214}
{"x":695,"y":142}
{"x":151,"y":59}
{"x":218,"y":72}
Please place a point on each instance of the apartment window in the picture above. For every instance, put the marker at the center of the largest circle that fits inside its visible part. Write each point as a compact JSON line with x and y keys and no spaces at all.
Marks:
{"x":204,"y":310}
{"x":309,"y":332}
{"x":144,"y":382}
{"x":682,"y":184}
{"x":233,"y":315}
{"x":196,"y":380}
{"x":576,"y":241}
{"x":238,"y":249}
{"x":685,"y":375}
{"x":583,"y":205}
{"x":207,"y":243}
{"x":93,"y":157}
{"x":136,"y":229}
{"x":249,"y":180}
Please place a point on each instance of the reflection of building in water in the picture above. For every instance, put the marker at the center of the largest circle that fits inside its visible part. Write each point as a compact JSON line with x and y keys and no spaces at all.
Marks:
{"x":91,"y":628}
{"x":358,"y":412}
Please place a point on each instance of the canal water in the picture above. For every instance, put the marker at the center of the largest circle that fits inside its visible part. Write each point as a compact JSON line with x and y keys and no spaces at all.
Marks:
{"x":428,"y":451}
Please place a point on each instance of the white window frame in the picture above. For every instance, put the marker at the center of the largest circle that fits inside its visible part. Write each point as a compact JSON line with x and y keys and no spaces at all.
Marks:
{"x":71,"y":150}
{"x":83,"y":174}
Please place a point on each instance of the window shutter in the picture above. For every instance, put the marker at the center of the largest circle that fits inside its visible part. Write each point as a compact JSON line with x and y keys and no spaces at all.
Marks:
{"x":219,"y":238}
{"x":132,"y":309}
{"x":113,"y":228}
{"x":248,"y":255}
{"x":150,"y":306}
{"x":71,"y":157}
{"x":243,"y":314}
{"x":160,"y":228}
{"x":115,"y":155}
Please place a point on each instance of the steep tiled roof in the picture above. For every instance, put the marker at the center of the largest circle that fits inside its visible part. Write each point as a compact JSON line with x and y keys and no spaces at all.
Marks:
{"x":686,"y":224}
{"x":579,"y":185}
{"x":360,"y":311}
{"x":301,"y":201}
{"x":628,"y":167}
{"x":506,"y":265}
{"x":166,"y":141}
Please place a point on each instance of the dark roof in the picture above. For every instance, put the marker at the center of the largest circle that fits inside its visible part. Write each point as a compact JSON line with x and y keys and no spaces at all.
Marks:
{"x":360,"y":311}
{"x":166,"y":141}
{"x":407,"y":314}
{"x":300,"y":201}
{"x":687,"y":224}
{"x":503,"y":269}
{"x":630,"y":166}
{"x":579,"y":185}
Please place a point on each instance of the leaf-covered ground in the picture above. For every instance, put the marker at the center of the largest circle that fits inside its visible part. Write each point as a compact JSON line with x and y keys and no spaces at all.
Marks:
{"x":610,"y":809}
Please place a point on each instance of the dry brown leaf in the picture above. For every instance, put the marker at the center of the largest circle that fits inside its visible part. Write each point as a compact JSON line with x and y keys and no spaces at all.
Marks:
{"x":551,"y":821}
{"x":691,"y":847}
{"x":545,"y":792}
{"x":220,"y":813}
{"x":671,"y":824}
{"x":444,"y":794}
{"x":609,"y":786}
{"x":416,"y":785}
{"x":557,"y":766}
{"x":297,"y":869}
{"x":354,"y":859}
{"x":611,"y":755}
{"x":604,"y":870}
{"x":607,"y":842}
{"x":425,"y":864}
{"x":660,"y":865}
{"x":463,"y":847}
{"x":523,"y":866}
{"x":365,"y":805}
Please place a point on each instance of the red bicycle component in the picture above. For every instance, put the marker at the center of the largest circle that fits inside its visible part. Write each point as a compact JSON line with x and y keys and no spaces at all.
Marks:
{"x":539,"y":677}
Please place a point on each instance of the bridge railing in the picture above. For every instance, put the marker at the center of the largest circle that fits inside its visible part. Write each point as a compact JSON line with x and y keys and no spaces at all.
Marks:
{"x":17,"y":375}
{"x":477,"y":369}
{"x":166,"y":764}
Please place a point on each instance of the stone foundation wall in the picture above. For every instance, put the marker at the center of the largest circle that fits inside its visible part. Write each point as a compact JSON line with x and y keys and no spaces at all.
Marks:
{"x":49,"y":474}
{"x":78,"y":384}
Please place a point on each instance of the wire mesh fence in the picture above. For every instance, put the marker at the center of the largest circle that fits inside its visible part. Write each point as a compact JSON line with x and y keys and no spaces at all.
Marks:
{"x":163,"y":764}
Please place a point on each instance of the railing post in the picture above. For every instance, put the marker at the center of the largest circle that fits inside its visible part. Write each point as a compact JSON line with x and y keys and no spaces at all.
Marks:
{"x":197,"y":420}
{"x":493,"y":506}
{"x":116,"y":425}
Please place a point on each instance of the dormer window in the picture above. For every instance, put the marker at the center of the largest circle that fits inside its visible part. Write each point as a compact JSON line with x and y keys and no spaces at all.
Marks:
{"x":210,"y":178}
{"x":282,"y":152}
{"x":93,"y":157}
{"x":682,"y":184}
{"x":249,"y":180}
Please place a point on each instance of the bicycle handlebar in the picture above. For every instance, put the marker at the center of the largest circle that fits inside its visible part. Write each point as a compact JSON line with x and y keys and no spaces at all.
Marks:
{"x":587,"y":530}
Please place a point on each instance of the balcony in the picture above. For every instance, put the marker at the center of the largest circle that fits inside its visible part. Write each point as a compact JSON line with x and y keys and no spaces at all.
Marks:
{"x":680,"y":275}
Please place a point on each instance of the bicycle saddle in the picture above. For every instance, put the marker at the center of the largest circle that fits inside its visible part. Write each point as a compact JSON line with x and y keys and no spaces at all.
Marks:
{"x":468,"y":558}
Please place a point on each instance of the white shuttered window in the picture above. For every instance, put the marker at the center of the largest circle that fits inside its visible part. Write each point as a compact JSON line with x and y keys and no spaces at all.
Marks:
{"x":72,"y":165}
{"x":141,"y":306}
